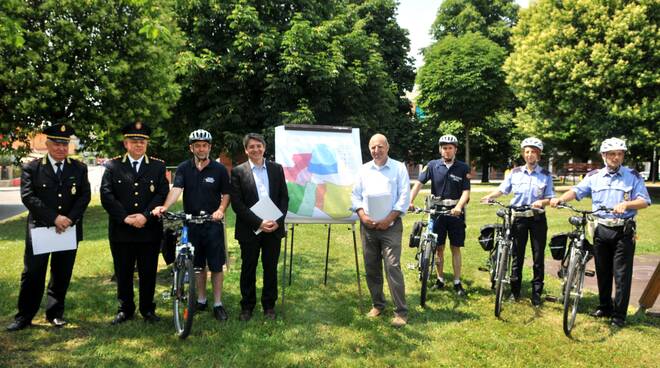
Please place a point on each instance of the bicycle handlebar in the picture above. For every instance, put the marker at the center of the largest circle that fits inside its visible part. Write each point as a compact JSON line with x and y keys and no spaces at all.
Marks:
{"x":431,"y":211}
{"x":186,"y":217}
{"x":584,"y":212}
{"x":492,"y":202}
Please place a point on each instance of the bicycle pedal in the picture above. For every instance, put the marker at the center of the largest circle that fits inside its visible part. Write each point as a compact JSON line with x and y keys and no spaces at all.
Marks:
{"x":590,"y":273}
{"x":484,"y":269}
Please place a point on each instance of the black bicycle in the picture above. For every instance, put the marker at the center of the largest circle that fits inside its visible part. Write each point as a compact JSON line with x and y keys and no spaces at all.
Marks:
{"x":426,"y":241}
{"x":574,"y":262}
{"x":184,"y":273}
{"x":500,"y":257}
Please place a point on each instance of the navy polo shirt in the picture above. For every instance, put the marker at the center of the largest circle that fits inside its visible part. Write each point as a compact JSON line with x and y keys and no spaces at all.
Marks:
{"x":447,"y":183}
{"x":202,"y":190}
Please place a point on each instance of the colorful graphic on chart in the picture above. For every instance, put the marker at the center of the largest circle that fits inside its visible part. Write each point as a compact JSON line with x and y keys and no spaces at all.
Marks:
{"x":320,"y":169}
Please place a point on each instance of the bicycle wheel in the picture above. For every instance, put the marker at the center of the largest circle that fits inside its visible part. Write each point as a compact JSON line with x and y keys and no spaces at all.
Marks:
{"x":425,"y":265}
{"x":572,"y":292}
{"x":184,"y":296}
{"x":500,"y":273}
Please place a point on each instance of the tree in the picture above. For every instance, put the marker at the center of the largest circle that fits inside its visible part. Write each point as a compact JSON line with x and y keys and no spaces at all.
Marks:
{"x":492,"y":18}
{"x":588,"y":70}
{"x":96,"y":65}
{"x":257,"y":64}
{"x":462,"y":81}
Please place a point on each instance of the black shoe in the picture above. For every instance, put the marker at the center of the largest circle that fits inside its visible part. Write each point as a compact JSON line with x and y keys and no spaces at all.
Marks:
{"x":57,"y":321}
{"x":19,"y":324}
{"x":439,"y":285}
{"x":600,"y":313}
{"x":270,"y":314}
{"x":245,"y":315}
{"x":536,"y":299}
{"x":121,"y":317}
{"x":618,"y":322}
{"x":458,"y":288}
{"x":219,"y":313}
{"x":151,"y":317}
{"x":200,"y":306}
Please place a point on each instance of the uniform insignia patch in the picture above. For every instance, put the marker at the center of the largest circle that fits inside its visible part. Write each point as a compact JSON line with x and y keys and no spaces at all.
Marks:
{"x":209,"y":179}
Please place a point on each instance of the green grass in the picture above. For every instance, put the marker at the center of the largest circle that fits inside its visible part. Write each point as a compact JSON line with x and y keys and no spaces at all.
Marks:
{"x":323,"y":325}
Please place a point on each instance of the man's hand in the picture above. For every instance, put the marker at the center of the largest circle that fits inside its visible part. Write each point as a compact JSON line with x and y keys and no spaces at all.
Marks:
{"x":218,"y":215}
{"x":62,"y":223}
{"x":456,"y":211}
{"x":268,"y":226}
{"x":538,"y":204}
{"x":485,"y":200}
{"x":554,"y":202}
{"x":620,"y":208}
{"x":157,"y":211}
{"x":139,"y":220}
{"x":367,"y":221}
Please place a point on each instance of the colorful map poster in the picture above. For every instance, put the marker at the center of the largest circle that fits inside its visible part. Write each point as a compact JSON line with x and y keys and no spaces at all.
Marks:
{"x":320,"y":165}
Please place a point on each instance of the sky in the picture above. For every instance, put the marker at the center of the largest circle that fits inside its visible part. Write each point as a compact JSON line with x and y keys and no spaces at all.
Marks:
{"x":417,"y":16}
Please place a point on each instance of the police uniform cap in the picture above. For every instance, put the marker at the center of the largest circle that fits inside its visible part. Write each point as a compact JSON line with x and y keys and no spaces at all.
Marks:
{"x":59,"y":133}
{"x":136,"y":130}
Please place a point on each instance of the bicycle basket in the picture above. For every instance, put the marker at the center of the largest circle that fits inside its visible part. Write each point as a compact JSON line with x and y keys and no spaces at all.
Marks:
{"x":487,"y":236}
{"x":558,"y":246}
{"x":416,"y":234}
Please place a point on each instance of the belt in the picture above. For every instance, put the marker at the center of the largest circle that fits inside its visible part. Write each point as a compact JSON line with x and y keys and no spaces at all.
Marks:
{"x":612,"y":222}
{"x":444,"y":202}
{"x":528,"y":213}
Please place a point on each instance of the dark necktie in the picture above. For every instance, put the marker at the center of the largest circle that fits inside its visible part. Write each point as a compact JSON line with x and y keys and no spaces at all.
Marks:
{"x":58,"y":172}
{"x":135,"y":168}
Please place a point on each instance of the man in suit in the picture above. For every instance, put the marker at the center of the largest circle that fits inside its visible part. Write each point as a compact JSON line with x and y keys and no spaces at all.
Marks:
{"x":132,"y":186}
{"x":56,"y":191}
{"x":254,"y":179}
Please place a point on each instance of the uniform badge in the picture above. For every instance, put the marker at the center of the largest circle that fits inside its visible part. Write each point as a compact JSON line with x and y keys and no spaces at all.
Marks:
{"x":152,"y":188}
{"x":138,"y":125}
{"x":62,"y":128}
{"x":626,"y":196}
{"x":73,"y":190}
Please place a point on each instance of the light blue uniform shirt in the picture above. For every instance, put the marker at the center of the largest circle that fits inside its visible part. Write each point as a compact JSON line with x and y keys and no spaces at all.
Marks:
{"x":528,"y":187}
{"x":609,"y":190}
{"x":260,"y":175}
{"x":391,"y":177}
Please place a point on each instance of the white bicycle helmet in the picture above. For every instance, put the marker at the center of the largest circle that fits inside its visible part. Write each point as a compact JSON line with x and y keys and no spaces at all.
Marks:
{"x":613,"y":144}
{"x":448,"y":139}
{"x":200,"y":135}
{"x":532,"y":142}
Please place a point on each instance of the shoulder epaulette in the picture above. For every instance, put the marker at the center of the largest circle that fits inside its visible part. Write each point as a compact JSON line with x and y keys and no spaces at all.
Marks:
{"x":516,"y":169}
{"x":545,"y":172}
{"x":156,"y":158}
{"x":593,"y":172}
{"x":636,"y":173}
{"x":116,"y":157}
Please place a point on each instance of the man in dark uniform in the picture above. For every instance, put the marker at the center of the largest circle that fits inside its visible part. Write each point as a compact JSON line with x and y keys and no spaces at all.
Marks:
{"x":56,"y":191}
{"x":450,"y":189}
{"x":132,"y":186}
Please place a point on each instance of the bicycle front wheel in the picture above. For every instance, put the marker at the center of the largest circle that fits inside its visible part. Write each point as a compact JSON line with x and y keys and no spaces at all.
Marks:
{"x":572,"y":292}
{"x":425,"y":270}
{"x":500,"y":273}
{"x":184,"y":296}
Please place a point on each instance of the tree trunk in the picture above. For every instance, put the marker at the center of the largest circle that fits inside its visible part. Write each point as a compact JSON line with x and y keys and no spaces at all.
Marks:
{"x":653,"y":171}
{"x":485,"y":169}
{"x":467,"y":145}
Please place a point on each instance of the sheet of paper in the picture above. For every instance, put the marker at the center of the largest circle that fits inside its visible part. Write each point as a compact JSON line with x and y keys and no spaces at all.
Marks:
{"x":47,"y":240}
{"x":379,"y":205}
{"x":265,"y":209}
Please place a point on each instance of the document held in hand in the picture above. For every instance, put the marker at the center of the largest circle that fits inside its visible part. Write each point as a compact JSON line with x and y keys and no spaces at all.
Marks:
{"x":265,"y":209}
{"x":47,"y":240}
{"x":379,"y":205}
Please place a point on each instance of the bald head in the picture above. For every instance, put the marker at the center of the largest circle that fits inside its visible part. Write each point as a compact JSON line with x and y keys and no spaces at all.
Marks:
{"x":378,"y":147}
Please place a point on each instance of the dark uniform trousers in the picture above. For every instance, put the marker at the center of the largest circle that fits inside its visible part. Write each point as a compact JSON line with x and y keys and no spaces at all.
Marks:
{"x":537,"y":228}
{"x":269,"y":247}
{"x":125,"y":192}
{"x":46,"y":196}
{"x":614,"y":250}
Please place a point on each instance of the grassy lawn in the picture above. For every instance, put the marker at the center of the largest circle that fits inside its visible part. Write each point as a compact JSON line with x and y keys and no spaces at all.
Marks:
{"x":324,"y":325}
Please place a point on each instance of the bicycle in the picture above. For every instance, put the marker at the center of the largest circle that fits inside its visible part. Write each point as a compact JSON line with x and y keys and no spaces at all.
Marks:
{"x":574,"y":262}
{"x":500,"y":257}
{"x":426,"y":241}
{"x":184,"y":273}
